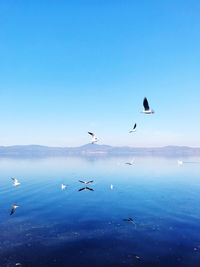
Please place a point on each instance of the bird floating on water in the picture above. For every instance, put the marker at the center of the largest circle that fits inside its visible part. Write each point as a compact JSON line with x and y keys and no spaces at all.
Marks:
{"x":134,"y":129}
{"x":86,"y":182}
{"x":94,"y":138}
{"x":13,"y":209}
{"x":86,"y":188}
{"x":63,"y":186}
{"x":15,"y":182}
{"x":147,"y":109}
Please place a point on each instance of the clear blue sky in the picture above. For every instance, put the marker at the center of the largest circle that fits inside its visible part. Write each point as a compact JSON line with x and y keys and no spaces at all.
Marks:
{"x":67,"y":67}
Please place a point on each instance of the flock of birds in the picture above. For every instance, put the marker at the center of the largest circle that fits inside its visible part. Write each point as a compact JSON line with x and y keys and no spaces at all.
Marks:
{"x":95,"y":139}
{"x":63,"y":187}
{"x":146,"y":110}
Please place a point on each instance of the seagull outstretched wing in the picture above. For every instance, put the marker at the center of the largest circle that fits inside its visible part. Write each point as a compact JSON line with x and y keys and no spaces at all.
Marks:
{"x":12,"y":211}
{"x":92,"y":134}
{"x":146,"y":104}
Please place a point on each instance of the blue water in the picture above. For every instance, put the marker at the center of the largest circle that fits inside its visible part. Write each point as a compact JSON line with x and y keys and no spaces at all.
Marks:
{"x":52,"y":227}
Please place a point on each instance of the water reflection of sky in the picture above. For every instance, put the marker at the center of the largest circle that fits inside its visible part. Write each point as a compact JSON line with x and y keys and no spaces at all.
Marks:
{"x":71,"y":228}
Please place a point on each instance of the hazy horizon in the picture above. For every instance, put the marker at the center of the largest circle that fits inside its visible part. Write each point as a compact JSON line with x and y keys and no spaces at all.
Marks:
{"x":99,"y":145}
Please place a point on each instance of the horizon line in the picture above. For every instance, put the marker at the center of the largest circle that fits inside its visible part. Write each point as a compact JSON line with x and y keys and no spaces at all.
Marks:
{"x":119,"y":146}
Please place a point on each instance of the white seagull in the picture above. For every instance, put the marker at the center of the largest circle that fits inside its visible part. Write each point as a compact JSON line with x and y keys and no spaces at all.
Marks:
{"x":111,"y":186}
{"x":147,"y":109}
{"x":15,"y":182}
{"x":94,"y":138}
{"x":180,"y":162}
{"x":63,"y":186}
{"x":134,"y":129}
{"x":13,"y":209}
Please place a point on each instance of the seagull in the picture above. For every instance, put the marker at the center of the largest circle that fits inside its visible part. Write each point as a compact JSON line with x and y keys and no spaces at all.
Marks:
{"x":137,"y":257}
{"x":94,"y":138}
{"x":129,"y":220}
{"x":86,"y":188}
{"x":13,"y":209}
{"x":130,"y":163}
{"x":86,"y":182}
{"x":134,"y":129}
{"x":180,"y":162}
{"x":63,"y":186}
{"x":16,"y":182}
{"x":147,"y":110}
{"x":111,"y":186}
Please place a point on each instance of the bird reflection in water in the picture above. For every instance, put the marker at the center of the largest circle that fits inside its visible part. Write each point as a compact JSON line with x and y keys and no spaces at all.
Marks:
{"x":86,"y":188}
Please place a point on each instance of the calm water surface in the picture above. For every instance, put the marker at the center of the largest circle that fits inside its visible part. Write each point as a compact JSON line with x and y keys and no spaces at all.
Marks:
{"x":86,"y":228}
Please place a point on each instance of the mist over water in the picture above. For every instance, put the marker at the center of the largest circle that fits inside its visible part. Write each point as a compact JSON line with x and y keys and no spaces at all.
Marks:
{"x":52,"y":227}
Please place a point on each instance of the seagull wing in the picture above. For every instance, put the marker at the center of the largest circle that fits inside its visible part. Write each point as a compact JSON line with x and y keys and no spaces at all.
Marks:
{"x":146,"y":104}
{"x":92,"y":134}
{"x":90,"y":181}
{"x":12,"y":211}
{"x":83,"y":182}
{"x":15,"y":180}
{"x":134,"y":126}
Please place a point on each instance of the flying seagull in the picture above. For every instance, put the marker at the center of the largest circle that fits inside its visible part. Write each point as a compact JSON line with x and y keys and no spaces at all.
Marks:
{"x":86,"y":188}
{"x":13,"y":209}
{"x":130,"y":163}
{"x":147,"y":109}
{"x":134,"y":129}
{"x":94,"y":138}
{"x":15,"y":182}
{"x":63,"y":186}
{"x":86,"y":182}
{"x":111,"y":186}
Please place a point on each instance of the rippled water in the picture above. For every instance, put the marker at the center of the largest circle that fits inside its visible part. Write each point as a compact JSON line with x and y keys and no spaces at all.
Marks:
{"x":52,"y":227}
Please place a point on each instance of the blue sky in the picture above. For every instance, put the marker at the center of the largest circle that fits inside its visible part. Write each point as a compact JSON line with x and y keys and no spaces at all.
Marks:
{"x":68,"y":67}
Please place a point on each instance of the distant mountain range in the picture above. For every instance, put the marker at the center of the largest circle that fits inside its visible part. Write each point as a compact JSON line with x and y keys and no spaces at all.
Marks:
{"x":94,"y":149}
